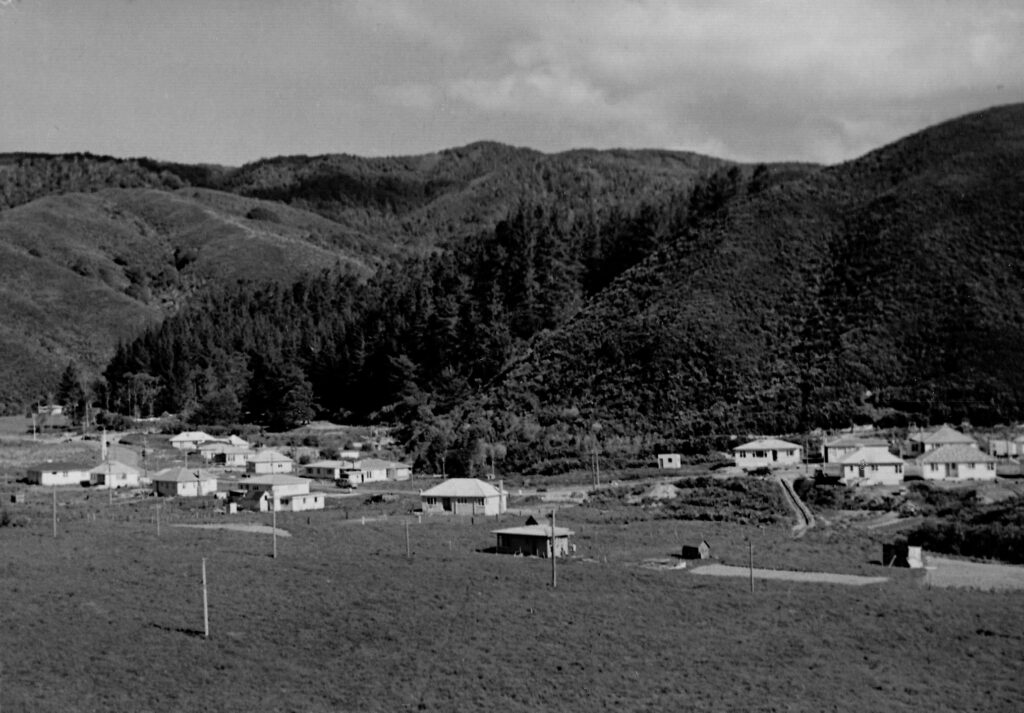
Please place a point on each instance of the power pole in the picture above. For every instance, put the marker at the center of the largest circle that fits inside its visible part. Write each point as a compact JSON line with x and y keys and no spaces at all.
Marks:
{"x":54,"y":511}
{"x":206,"y":608}
{"x":554,"y":555}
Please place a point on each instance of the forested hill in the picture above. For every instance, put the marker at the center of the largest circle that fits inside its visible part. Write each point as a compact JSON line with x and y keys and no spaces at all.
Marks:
{"x":95,"y":248}
{"x":883,"y":289}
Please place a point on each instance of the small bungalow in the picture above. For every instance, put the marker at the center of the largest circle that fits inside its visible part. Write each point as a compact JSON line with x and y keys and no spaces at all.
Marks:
{"x":464,"y":496}
{"x":767,"y":452}
{"x":183,"y":482}
{"x":279,"y":492}
{"x":376,"y":469}
{"x":224,"y":453}
{"x":670,"y":461}
{"x":958,"y":462}
{"x":190,"y":440}
{"x":533,"y":540}
{"x":335,"y":470}
{"x":113,"y":474}
{"x":923,"y":442}
{"x":836,"y":450}
{"x":268,"y":461}
{"x":58,"y":473}
{"x":874,"y":465}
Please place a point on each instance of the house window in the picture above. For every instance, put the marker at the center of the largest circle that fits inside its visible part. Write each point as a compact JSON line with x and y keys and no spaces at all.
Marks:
{"x":934,"y":467}
{"x":990,"y":466}
{"x":874,"y":467}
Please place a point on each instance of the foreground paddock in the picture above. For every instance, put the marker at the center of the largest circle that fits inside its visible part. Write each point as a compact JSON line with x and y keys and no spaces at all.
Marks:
{"x":107,"y":617}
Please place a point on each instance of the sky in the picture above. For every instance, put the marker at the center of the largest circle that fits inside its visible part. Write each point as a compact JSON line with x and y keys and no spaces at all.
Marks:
{"x":232,"y":81}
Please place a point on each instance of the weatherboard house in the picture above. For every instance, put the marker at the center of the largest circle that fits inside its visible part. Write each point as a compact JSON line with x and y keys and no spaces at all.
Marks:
{"x":58,"y":473}
{"x":942,"y":436}
{"x":464,"y":496}
{"x":268,"y":461}
{"x":958,"y":462}
{"x":872,"y":466}
{"x":837,"y":449}
{"x":767,"y":452}
{"x":113,"y":474}
{"x":278,"y":492}
{"x":190,"y":440}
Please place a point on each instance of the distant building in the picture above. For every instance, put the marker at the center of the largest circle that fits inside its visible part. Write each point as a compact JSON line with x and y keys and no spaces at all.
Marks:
{"x":190,"y":440}
{"x":336,"y":470}
{"x":670,"y":461}
{"x":114,"y":475}
{"x":837,"y":449}
{"x":767,"y":452}
{"x":958,"y":462}
{"x":464,"y":496}
{"x":701,"y":551}
{"x":376,"y":469}
{"x":533,"y":540}
{"x":183,"y":482}
{"x":225,"y":453}
{"x":58,"y":473}
{"x":874,"y":465}
{"x":278,"y":492}
{"x":923,"y":442}
{"x":268,"y":461}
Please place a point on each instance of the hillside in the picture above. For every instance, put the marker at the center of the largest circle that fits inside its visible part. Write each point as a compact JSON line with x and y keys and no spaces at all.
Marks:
{"x":880,"y":289}
{"x":81,"y":272}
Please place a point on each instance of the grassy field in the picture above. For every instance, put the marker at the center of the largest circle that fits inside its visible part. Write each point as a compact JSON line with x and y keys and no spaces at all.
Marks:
{"x":108,"y":617}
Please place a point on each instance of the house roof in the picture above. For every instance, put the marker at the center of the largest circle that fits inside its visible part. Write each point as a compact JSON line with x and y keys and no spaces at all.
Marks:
{"x":267,"y":455}
{"x":378,"y":463}
{"x":192,"y":436}
{"x":848,"y":441}
{"x":946,"y":434}
{"x":343,"y":464}
{"x":766,"y":444}
{"x":115,"y":467}
{"x":462,"y":488}
{"x":873,"y":455}
{"x":178,"y":474}
{"x":534,"y":531}
{"x":957,"y":454}
{"x":59,"y":466}
{"x":236,"y":441}
{"x":275,"y":479}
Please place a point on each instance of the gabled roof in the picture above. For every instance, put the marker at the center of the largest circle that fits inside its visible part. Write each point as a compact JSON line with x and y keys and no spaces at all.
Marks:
{"x":874,"y":455}
{"x":849,"y":441}
{"x":115,"y":467}
{"x":535,"y":531}
{"x":767,"y":444}
{"x":378,"y":463}
{"x":236,"y":441}
{"x":178,"y":474}
{"x":275,"y":479}
{"x":59,"y":466}
{"x":192,"y":436}
{"x":957,"y":454}
{"x":343,"y":464}
{"x":462,"y":488}
{"x":269,"y":454}
{"x":944,"y":435}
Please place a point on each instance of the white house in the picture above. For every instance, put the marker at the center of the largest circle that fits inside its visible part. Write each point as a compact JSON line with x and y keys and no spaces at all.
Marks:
{"x":837,"y":449}
{"x":874,"y":465}
{"x":376,"y":469}
{"x":533,"y":540}
{"x":670,"y":461}
{"x":767,"y":452}
{"x":958,"y":462}
{"x":190,"y":440}
{"x":333,"y":470}
{"x":113,"y":474}
{"x":279,"y":492}
{"x":464,"y":496}
{"x":58,"y":473}
{"x":942,"y":436}
{"x":183,"y":482}
{"x":268,"y":461}
{"x":224,"y":453}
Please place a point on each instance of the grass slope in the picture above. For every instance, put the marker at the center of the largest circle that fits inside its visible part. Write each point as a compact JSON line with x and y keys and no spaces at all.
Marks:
{"x":342,"y":621}
{"x":81,"y":272}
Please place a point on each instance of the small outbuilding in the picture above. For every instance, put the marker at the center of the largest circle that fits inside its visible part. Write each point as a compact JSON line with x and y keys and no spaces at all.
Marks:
{"x":670,"y":461}
{"x":700,"y":551}
{"x":464,"y":496}
{"x":900,"y":554}
{"x":533,"y":540}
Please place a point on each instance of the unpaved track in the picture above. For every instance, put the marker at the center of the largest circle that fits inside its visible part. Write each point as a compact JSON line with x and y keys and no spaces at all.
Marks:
{"x":805,"y":519}
{"x":242,"y":527}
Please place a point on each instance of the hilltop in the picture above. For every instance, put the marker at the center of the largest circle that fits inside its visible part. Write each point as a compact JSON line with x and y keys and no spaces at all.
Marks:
{"x":882,"y":289}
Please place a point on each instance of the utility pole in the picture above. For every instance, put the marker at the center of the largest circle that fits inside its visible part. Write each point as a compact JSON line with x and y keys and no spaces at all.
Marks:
{"x":750,"y":548}
{"x":554,"y":555}
{"x":408,"y":544}
{"x":54,"y":511}
{"x":206,"y":608}
{"x":273,"y":507}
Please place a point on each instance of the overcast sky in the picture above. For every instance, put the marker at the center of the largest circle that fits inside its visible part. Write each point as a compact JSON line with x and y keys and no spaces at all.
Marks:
{"x":225,"y":81}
